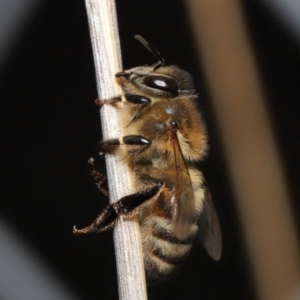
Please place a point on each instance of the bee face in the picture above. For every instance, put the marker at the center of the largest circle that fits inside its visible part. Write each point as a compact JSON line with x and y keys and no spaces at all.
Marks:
{"x":164,"y":136}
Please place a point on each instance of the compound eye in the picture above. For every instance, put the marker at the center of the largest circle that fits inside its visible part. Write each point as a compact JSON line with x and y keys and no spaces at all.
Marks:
{"x":161,"y":83}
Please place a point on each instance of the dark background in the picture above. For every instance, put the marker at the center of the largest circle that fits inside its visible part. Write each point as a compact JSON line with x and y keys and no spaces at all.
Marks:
{"x":51,"y":127}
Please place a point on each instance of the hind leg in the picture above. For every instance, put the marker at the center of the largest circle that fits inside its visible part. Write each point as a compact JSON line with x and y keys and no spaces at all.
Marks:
{"x":124,"y":207}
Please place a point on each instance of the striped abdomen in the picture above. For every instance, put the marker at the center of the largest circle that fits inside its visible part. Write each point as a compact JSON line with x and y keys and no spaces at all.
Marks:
{"x":163,"y":252}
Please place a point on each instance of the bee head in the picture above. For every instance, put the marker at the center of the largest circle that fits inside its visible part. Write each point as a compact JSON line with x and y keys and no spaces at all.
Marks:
{"x":156,"y":81}
{"x":167,"y":81}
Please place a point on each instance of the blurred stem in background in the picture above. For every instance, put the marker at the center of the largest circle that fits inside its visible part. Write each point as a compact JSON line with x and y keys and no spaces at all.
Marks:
{"x":252,"y":158}
{"x":15,"y":16}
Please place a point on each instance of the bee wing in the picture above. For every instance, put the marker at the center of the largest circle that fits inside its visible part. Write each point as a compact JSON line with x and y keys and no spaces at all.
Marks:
{"x":209,"y":228}
{"x":183,"y":210}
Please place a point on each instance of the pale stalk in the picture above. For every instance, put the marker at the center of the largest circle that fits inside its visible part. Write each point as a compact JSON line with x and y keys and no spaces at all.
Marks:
{"x":107,"y":57}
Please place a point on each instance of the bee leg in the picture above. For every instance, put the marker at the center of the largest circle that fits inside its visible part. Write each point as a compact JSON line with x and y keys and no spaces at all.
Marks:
{"x":137,"y":99}
{"x":128,"y":203}
{"x":111,"y":101}
{"x":111,"y":145}
{"x":123,"y":207}
{"x":101,"y":180}
{"x":134,"y":99}
{"x":104,"y":221}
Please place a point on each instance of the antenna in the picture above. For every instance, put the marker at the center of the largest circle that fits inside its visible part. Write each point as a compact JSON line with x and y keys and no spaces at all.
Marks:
{"x":161,"y":60}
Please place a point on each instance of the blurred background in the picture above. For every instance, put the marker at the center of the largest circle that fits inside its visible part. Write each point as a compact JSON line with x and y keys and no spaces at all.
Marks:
{"x":50,"y":127}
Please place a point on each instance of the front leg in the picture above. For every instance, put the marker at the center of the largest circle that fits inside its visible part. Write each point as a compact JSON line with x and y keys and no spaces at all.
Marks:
{"x":130,"y":98}
{"x":124,"y":207}
{"x":111,"y":101}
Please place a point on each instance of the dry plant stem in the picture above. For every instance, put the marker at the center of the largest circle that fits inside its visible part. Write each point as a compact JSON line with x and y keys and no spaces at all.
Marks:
{"x":252,"y":157}
{"x":107,"y":57}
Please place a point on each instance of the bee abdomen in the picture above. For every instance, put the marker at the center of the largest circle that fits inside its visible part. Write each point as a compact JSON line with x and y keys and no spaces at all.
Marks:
{"x":169,"y":258}
{"x":163,"y":258}
{"x":163,"y":252}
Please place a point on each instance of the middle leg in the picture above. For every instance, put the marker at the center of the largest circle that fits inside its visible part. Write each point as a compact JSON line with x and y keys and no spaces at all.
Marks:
{"x":111,"y":145}
{"x":101,"y":180}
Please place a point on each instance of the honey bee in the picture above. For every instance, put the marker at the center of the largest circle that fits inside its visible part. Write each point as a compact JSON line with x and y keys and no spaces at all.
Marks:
{"x":164,"y":138}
